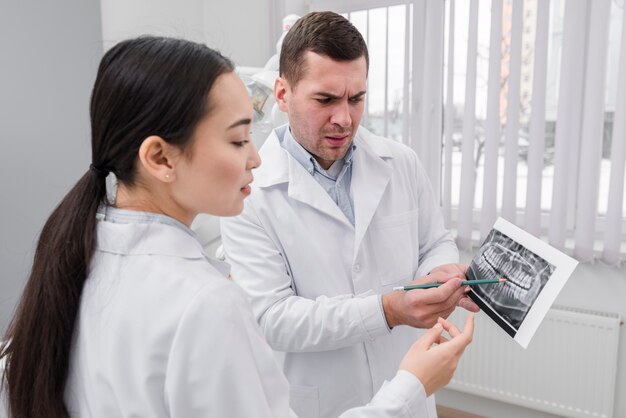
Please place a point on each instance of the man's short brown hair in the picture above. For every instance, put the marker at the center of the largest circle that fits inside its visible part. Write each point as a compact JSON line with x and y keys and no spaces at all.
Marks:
{"x":325,"y":33}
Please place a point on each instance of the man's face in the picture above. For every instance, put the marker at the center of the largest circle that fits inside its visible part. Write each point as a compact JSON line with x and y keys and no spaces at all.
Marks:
{"x":325,"y":106}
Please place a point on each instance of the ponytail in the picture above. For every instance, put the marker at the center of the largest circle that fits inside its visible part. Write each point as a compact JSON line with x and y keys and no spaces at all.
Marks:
{"x":38,"y":341}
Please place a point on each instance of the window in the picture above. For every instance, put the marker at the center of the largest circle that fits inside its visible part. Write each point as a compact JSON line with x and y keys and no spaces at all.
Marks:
{"x":538,"y":149}
{"x":512,"y":106}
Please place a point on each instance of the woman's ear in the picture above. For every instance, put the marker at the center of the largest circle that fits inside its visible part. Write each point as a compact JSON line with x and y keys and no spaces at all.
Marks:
{"x":158,"y":158}
{"x":281,"y":91}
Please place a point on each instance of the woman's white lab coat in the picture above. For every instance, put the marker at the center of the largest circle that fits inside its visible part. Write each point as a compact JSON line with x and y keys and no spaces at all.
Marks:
{"x":161,"y":332}
{"x":315,"y":280}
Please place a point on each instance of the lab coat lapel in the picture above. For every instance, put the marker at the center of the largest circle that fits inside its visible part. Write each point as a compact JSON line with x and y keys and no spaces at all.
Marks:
{"x":279,"y":167}
{"x":370,"y":176}
{"x":304,"y":188}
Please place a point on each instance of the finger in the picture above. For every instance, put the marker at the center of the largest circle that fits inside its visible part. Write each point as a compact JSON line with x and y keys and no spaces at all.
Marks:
{"x":449,"y":327}
{"x":444,"y":275}
{"x":435,"y":277}
{"x":444,"y":307}
{"x":463,"y":267}
{"x":444,"y":313}
{"x":468,"y":328}
{"x":468,"y":304}
{"x":452,"y":300}
{"x":445,"y":291}
{"x":465,"y":338}
{"x":442,"y":340}
{"x":430,"y":337}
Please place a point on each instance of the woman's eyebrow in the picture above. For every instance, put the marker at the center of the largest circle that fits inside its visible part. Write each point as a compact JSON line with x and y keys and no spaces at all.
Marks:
{"x":244,"y":121}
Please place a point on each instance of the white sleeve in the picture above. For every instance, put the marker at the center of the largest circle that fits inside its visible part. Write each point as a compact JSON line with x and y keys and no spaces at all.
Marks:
{"x":437,"y":244}
{"x":403,"y":396}
{"x":4,"y":401}
{"x":289,"y":322}
{"x":219,"y":364}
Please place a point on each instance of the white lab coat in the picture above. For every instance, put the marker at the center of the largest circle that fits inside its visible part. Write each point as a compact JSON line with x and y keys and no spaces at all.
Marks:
{"x":315,"y":280}
{"x":161,"y":332}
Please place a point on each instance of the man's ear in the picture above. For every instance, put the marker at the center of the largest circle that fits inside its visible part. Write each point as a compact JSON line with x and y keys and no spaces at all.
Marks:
{"x":158,"y":157}
{"x":281,"y":93}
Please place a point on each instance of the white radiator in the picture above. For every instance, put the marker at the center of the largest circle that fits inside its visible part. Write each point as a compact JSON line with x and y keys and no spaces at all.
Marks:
{"x":568,"y":369}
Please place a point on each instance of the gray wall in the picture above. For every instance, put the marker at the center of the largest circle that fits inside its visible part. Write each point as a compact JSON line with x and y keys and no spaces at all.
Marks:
{"x":48,"y":61}
{"x":241,"y":29}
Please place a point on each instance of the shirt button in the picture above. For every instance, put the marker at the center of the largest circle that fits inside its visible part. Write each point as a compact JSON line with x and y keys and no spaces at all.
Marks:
{"x":356,"y":268}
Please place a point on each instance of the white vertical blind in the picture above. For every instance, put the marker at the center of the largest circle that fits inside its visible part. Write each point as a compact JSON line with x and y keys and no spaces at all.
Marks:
{"x":509,"y":196}
{"x":386,"y":117}
{"x":427,"y":143}
{"x":592,"y":129}
{"x":406,"y":81}
{"x":492,"y":134}
{"x":567,"y":134}
{"x":449,"y":121}
{"x":614,"y":230}
{"x":536,"y":146}
{"x":466,"y":192}
{"x":417,"y":70}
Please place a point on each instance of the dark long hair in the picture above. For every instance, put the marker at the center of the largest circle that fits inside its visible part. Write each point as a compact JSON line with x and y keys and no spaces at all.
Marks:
{"x":144,"y":86}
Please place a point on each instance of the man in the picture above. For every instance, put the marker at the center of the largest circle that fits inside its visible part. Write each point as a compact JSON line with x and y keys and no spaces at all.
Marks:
{"x":338,"y":216}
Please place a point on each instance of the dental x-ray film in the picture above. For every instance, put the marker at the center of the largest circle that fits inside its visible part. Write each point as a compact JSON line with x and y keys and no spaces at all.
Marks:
{"x":535,"y":273}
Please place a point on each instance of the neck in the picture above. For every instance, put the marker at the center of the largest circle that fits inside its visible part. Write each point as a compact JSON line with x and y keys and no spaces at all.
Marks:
{"x":140,"y":199}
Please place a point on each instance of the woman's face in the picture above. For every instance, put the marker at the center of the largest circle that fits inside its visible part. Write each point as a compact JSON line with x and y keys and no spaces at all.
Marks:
{"x":215,"y":176}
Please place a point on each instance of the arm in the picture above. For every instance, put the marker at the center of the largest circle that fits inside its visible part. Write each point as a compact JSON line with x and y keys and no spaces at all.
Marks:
{"x":219,"y":365}
{"x":427,"y":367}
{"x":437,"y":246}
{"x":290,"y":322}
{"x":438,"y":255}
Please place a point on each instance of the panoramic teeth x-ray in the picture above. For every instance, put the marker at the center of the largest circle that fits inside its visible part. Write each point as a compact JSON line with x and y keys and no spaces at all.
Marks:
{"x":525,"y":272}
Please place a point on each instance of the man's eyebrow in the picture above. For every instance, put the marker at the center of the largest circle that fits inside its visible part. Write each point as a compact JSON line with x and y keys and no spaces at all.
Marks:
{"x":334,"y":96}
{"x":244,"y":121}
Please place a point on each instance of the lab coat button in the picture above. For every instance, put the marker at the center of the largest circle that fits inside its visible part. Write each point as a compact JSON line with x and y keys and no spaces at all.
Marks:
{"x":356,"y":268}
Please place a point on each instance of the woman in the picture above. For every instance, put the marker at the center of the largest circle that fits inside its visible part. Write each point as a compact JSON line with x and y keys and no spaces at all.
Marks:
{"x":123,"y":314}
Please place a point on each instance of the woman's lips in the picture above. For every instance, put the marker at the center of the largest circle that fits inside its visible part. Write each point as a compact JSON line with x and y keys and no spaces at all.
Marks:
{"x":246,"y":190}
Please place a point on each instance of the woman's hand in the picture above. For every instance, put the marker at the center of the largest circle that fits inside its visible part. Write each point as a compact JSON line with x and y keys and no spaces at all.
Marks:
{"x":433,"y":358}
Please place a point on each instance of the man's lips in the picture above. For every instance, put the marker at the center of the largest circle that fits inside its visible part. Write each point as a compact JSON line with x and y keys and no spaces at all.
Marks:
{"x":337,"y":139}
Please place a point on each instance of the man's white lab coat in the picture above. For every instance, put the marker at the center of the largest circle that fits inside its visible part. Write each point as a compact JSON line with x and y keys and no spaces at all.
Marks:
{"x":162,"y":333}
{"x":315,"y":280}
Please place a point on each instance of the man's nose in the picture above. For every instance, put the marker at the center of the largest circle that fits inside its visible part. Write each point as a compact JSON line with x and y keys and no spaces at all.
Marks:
{"x":341,"y":115}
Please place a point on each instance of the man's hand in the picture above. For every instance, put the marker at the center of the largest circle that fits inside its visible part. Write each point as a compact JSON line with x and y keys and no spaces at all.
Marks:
{"x":465,"y":302}
{"x":420,"y":308}
{"x":452,"y":269}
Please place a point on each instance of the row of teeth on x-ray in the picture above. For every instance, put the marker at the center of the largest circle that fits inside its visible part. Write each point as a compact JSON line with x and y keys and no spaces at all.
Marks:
{"x":517,"y":294}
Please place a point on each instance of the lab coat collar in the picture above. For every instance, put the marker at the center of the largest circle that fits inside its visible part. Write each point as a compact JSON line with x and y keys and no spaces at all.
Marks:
{"x":280,"y":167}
{"x":274,"y":167}
{"x":277,"y":165}
{"x":135,"y":237}
{"x":371,"y":173}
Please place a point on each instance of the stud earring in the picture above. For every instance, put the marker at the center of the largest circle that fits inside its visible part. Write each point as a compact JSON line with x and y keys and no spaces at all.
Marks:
{"x":167,"y":176}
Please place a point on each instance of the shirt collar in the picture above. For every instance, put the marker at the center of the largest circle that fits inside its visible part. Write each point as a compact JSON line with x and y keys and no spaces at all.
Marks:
{"x":305,"y":158}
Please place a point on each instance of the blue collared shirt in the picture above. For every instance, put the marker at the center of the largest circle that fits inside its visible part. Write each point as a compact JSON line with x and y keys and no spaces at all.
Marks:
{"x":336,"y":180}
